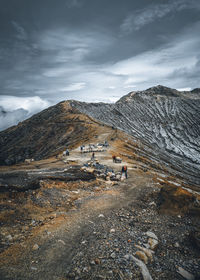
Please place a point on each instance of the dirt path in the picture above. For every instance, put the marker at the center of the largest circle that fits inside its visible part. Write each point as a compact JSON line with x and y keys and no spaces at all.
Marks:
{"x":91,"y":240}
{"x":58,"y":242}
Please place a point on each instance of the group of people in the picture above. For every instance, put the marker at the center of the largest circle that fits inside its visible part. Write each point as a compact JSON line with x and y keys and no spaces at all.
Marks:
{"x":124,"y":170}
{"x":124,"y":167}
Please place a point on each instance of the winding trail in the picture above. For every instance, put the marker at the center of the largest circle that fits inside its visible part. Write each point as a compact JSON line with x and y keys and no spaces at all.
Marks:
{"x":77,"y":244}
{"x":59,"y":239}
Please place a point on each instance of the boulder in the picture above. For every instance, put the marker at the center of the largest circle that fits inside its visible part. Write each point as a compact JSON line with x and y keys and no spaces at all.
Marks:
{"x":153,"y":243}
{"x":148,"y":252}
{"x":142,"y":256}
{"x":152,"y":235}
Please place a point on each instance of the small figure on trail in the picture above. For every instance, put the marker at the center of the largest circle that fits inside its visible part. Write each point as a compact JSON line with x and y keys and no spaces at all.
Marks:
{"x":81,"y":149}
{"x":106,"y":144}
{"x":124,"y":171}
{"x":114,"y":158}
{"x":93,"y":156}
{"x":67,"y":152}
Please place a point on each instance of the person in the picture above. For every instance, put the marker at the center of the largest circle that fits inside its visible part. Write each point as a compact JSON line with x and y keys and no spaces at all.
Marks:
{"x":114,"y":158}
{"x":124,"y":171}
{"x":81,"y":149}
{"x":93,"y":156}
{"x":67,"y":152}
{"x":105,"y":143}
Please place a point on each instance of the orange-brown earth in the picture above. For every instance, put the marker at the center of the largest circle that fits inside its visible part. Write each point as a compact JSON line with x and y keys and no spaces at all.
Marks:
{"x":38,"y":227}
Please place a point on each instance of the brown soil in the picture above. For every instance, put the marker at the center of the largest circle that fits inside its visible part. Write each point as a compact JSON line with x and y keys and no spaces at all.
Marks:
{"x":60,"y":215}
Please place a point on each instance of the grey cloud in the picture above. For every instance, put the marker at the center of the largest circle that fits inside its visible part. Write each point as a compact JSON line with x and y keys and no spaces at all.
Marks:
{"x":20,"y":31}
{"x":74,"y":49}
{"x":140,"y":18}
{"x":74,"y":3}
{"x":174,"y":64}
{"x":11,"y":118}
{"x":188,"y":74}
{"x":15,"y":109}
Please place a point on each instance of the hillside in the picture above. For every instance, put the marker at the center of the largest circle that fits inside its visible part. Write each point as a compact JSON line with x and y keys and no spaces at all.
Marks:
{"x":71,"y":218}
{"x":166,"y":122}
{"x":45,"y":134}
{"x":77,"y":217}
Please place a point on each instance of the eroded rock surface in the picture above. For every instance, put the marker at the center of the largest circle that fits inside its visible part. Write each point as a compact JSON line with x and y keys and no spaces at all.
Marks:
{"x":166,"y":121}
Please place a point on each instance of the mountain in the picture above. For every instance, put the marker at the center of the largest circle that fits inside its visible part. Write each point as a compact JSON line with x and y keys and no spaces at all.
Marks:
{"x":46,"y":134}
{"x":165,"y":121}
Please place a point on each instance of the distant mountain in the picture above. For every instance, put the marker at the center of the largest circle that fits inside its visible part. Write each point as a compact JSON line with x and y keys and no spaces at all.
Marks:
{"x":164,"y":120}
{"x":196,"y":90}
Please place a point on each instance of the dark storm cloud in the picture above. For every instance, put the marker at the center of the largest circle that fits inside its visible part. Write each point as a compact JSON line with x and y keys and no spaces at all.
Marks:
{"x":94,"y":50}
{"x":151,"y":13}
{"x":20,"y":31}
{"x":74,"y":3}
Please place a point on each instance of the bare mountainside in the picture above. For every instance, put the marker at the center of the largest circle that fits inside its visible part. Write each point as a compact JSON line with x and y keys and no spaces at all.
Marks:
{"x":46,"y":134}
{"x":77,"y":217}
{"x":165,"y":121}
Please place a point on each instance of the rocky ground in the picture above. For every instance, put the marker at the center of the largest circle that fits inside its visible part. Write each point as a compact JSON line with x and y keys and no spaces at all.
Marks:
{"x":91,"y":227}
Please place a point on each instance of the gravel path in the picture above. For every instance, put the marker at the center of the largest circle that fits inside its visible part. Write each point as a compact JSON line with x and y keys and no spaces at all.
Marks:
{"x":99,"y":238}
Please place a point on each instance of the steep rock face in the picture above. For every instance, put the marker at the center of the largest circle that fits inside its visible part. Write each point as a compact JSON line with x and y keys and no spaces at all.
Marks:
{"x":165,"y":120}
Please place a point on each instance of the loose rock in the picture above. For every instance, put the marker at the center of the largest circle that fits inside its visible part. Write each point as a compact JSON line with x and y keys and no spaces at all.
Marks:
{"x":185,"y":274}
{"x":152,"y":235}
{"x":153,"y":243}
{"x":142,"y":256}
{"x":35,"y":247}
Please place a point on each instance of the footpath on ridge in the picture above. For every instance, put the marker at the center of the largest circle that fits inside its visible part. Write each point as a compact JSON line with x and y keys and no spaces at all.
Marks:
{"x":99,"y":229}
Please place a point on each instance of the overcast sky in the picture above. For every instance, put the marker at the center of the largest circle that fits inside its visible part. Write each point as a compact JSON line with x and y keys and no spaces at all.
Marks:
{"x":93,"y":50}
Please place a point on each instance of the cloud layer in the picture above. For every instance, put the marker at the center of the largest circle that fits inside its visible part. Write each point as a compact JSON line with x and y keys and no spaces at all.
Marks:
{"x":15,"y":109}
{"x":90,"y":51}
{"x":149,"y":14}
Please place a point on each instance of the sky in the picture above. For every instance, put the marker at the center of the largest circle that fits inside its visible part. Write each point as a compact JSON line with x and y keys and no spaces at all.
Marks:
{"x":93,"y":50}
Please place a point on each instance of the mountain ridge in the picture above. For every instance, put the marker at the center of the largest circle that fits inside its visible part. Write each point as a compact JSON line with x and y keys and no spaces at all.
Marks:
{"x":164,"y":120}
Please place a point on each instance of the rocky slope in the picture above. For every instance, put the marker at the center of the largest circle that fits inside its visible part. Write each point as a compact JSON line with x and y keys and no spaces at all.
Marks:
{"x":91,"y":229}
{"x":69,"y":217}
{"x":165,"y":121}
{"x":46,"y":134}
